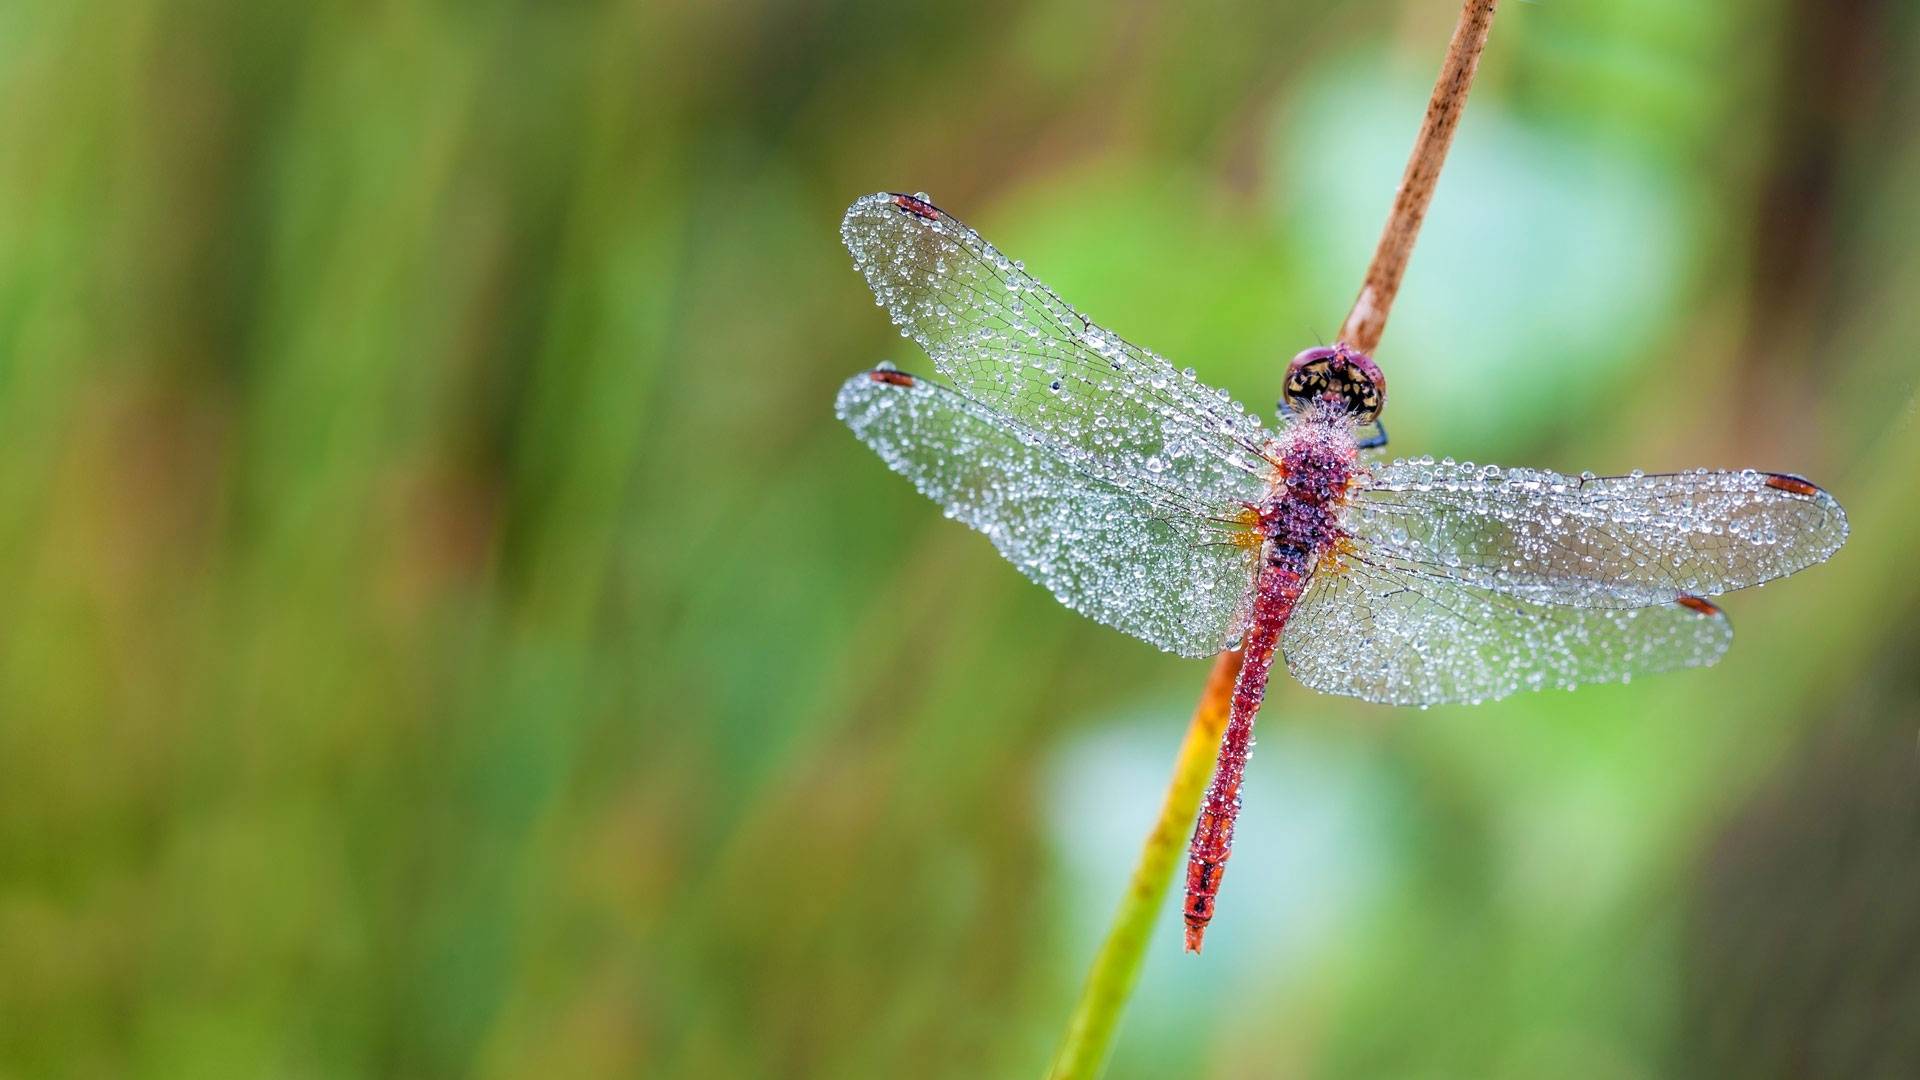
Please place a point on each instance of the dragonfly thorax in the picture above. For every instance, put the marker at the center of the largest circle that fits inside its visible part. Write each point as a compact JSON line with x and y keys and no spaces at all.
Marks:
{"x":1317,"y":456}
{"x":1316,"y":460}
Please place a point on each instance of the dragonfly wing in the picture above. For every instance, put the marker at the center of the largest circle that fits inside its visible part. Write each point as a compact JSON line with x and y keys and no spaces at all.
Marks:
{"x":1009,"y":343}
{"x":1150,"y":567}
{"x":1606,"y":541}
{"x":1387,"y":635}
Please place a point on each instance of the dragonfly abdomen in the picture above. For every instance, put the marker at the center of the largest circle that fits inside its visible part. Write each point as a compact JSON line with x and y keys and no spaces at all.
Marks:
{"x":1282,"y":579}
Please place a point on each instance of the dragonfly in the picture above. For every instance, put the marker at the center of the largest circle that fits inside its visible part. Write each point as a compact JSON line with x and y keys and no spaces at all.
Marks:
{"x":1159,"y":506}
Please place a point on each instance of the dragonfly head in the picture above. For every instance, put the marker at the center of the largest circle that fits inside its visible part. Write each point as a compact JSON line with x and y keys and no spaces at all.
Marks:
{"x":1346,"y":379}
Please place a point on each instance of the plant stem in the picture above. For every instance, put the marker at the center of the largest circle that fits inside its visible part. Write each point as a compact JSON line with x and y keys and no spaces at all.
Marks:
{"x":1368,"y":319}
{"x":1116,"y":969}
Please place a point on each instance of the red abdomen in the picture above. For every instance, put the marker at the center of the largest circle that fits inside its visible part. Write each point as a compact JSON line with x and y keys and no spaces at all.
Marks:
{"x":1279,"y":586}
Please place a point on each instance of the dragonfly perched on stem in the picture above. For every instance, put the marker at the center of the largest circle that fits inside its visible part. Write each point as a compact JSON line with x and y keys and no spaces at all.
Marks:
{"x":1154,"y":504}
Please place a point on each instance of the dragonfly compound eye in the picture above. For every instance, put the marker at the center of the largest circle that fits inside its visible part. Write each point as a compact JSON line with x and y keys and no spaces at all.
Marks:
{"x":1338,"y":376}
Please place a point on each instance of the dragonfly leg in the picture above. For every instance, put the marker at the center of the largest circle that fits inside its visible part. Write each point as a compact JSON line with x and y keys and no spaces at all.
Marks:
{"x":1376,"y":439}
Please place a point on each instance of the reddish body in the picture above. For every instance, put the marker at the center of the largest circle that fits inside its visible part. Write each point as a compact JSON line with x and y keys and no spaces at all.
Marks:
{"x":1279,"y":587}
{"x":1316,"y":463}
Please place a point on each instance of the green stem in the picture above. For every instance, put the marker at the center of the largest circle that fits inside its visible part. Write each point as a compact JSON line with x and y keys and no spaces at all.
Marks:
{"x":1115,"y":971}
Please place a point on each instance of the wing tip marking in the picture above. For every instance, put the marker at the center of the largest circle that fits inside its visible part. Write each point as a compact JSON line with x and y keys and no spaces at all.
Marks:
{"x":889,"y":376}
{"x":1699,"y":604}
{"x":1794,"y":485}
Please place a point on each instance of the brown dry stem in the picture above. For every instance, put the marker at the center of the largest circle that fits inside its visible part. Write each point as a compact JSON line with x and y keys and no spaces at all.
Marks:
{"x":1368,"y":319}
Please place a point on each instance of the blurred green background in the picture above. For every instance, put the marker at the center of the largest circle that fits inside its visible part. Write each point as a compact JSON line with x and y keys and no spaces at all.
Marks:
{"x":447,"y":633}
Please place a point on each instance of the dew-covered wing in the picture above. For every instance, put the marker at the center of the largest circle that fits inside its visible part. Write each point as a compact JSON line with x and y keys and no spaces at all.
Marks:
{"x":1394,"y":637}
{"x":1605,"y":541}
{"x":1009,"y":343}
{"x":1153,"y":569}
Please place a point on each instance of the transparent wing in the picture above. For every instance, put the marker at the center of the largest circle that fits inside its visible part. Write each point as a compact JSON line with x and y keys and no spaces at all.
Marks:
{"x":1151,"y":568}
{"x":1606,"y":541}
{"x":1397,"y":638}
{"x":1006,"y":341}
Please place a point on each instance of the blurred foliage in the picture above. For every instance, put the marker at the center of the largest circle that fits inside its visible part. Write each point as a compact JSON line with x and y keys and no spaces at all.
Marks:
{"x":447,"y":634}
